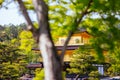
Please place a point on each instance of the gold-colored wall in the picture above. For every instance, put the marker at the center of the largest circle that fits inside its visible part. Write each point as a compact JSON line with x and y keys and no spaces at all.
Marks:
{"x":84,"y":36}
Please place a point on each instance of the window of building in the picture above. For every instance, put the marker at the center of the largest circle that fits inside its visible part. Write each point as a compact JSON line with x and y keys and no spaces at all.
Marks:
{"x":62,"y":40}
{"x":77,"y":40}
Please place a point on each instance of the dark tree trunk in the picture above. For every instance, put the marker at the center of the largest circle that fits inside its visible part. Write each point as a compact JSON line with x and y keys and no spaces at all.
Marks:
{"x":51,"y":60}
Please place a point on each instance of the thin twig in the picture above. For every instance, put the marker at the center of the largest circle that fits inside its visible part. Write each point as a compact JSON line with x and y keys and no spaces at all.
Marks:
{"x":85,"y":12}
{"x":5,"y":6}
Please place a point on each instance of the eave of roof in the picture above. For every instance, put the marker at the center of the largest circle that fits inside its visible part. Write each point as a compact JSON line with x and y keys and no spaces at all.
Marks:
{"x":70,"y":47}
{"x":35,"y":65}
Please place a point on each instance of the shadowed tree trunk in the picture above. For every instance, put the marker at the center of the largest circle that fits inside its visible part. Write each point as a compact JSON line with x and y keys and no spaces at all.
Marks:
{"x":51,"y":60}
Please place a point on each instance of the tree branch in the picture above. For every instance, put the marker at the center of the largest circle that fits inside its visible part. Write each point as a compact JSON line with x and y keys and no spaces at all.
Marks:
{"x":30,"y":25}
{"x":5,"y":6}
{"x":25,"y":14}
{"x":52,"y":64}
{"x":73,"y":2}
{"x":65,"y":45}
{"x":76,"y":22}
{"x":85,"y":12}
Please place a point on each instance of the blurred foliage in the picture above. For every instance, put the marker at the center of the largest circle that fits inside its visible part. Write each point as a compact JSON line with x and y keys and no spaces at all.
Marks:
{"x":102,"y":14}
{"x":15,"y":51}
{"x":9,"y":32}
{"x":94,"y":75}
{"x":19,"y":36}
{"x":113,"y":58}
{"x":12,"y":62}
{"x":26,"y":40}
{"x":105,"y":37}
{"x":81,"y":62}
{"x":39,"y":74}
{"x":26,"y":44}
{"x":28,"y":4}
{"x":1,"y":1}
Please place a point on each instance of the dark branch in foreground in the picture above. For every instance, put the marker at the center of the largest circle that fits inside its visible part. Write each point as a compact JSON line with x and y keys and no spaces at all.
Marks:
{"x":30,"y":25}
{"x":25,"y":14}
{"x":76,"y":22}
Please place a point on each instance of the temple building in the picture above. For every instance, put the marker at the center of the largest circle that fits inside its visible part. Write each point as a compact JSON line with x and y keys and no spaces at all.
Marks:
{"x":78,"y":39}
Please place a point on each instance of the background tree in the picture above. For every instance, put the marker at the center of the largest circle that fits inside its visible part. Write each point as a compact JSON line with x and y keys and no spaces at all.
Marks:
{"x":15,"y":51}
{"x":113,"y":59}
{"x":12,"y":62}
{"x":9,"y":32}
{"x":82,"y":63}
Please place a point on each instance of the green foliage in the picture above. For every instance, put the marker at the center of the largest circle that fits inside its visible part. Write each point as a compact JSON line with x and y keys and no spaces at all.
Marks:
{"x":1,"y":1}
{"x":100,"y":22}
{"x":114,"y":59}
{"x":12,"y":62}
{"x":114,"y":70}
{"x":81,"y":62}
{"x":63,"y":15}
{"x":104,"y":34}
{"x":94,"y":75}
{"x":12,"y":71}
{"x":9,"y":32}
{"x":26,"y":41}
{"x":39,"y":74}
{"x":28,"y":4}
